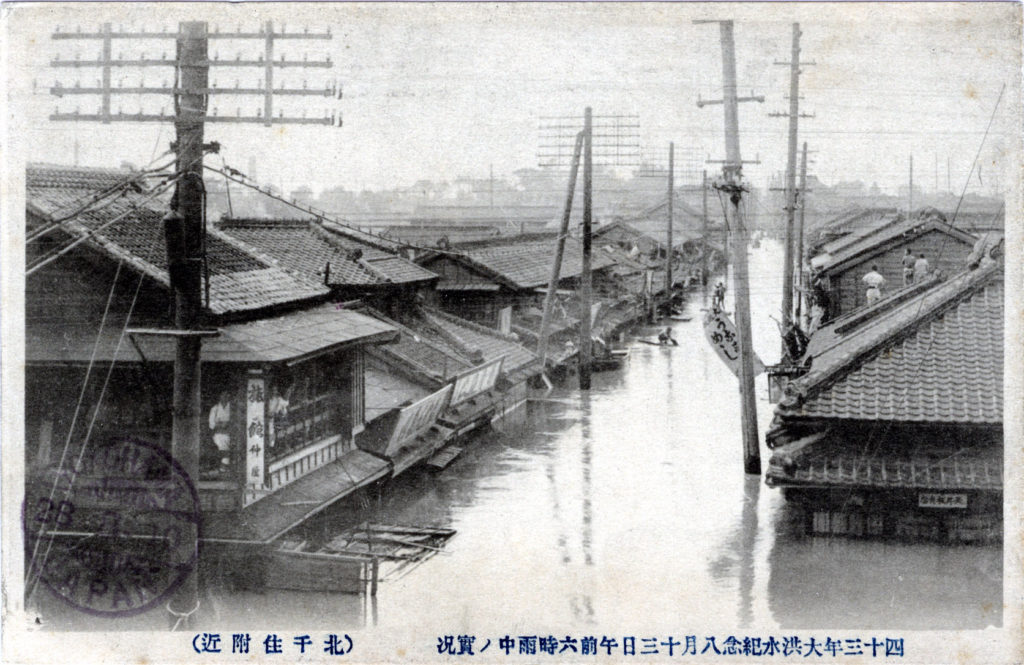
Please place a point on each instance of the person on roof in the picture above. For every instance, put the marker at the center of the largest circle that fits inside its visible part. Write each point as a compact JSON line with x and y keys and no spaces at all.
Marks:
{"x":908,"y":267}
{"x":874,"y":282}
{"x":920,"y":269}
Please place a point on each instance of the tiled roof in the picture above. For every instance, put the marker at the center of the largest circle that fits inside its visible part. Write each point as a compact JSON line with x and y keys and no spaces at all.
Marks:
{"x":978,"y":467}
{"x":491,"y":343}
{"x":239,"y":280}
{"x":305,"y":248}
{"x":881,"y":237}
{"x":937,"y":358}
{"x":525,"y":261}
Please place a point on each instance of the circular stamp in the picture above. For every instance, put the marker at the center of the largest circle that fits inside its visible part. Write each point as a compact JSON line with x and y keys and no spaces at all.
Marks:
{"x":115,"y":533}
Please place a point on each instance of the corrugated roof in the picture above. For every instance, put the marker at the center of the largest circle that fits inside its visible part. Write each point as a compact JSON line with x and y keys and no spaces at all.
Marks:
{"x":937,"y":358}
{"x":239,"y":280}
{"x":305,"y":248}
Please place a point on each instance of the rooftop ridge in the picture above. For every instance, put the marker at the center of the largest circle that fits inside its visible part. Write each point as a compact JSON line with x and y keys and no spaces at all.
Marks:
{"x":967,"y":283}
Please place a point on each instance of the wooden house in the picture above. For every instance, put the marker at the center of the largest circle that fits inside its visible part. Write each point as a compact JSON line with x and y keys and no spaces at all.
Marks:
{"x":897,"y":427}
{"x":282,"y":366}
{"x":842,"y":267}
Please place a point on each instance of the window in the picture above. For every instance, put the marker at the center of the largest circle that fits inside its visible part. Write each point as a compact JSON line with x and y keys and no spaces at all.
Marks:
{"x":308,"y":404}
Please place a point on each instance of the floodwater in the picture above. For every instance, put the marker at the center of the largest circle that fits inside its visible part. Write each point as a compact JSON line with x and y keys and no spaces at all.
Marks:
{"x":627,"y":509}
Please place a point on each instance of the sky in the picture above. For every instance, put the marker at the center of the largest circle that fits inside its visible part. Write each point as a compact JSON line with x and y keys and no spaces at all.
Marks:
{"x":436,"y":90}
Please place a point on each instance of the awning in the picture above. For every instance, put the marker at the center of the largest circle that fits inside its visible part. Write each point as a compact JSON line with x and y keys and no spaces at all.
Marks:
{"x":273,"y":515}
{"x":291,"y":337}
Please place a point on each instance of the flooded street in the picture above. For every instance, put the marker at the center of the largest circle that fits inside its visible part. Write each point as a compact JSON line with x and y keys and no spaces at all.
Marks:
{"x":627,"y":509}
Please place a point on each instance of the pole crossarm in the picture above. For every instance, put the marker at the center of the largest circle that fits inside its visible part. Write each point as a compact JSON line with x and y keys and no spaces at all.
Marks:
{"x":216,"y":34}
{"x":60,"y":90}
{"x":701,"y":103}
{"x":160,"y":117}
{"x":170,"y":62}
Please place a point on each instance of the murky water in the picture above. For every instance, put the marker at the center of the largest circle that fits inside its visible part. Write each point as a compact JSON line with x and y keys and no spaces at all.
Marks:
{"x":627,"y":508}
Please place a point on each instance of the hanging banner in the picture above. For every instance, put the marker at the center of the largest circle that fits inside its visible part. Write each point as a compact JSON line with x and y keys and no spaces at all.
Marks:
{"x":255,"y":434}
{"x":417,"y":418}
{"x":476,"y":380}
{"x":721,"y":333}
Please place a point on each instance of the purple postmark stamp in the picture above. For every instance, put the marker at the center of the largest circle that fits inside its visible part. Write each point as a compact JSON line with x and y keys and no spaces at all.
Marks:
{"x":115,"y":532}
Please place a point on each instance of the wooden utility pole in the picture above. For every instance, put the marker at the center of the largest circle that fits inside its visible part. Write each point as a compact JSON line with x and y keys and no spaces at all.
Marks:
{"x":184,"y":231}
{"x":556,"y":266}
{"x":800,"y":232}
{"x":184,"y":225}
{"x":910,"y":193}
{"x":732,"y":171}
{"x":704,"y":231}
{"x":671,"y":195}
{"x":585,"y":278}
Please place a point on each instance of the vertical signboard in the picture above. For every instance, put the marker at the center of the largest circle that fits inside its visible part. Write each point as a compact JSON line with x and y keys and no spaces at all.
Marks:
{"x":721,"y":333}
{"x":255,"y":437}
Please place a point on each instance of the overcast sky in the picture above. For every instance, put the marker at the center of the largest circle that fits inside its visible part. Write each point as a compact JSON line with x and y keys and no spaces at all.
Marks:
{"x":436,"y":91}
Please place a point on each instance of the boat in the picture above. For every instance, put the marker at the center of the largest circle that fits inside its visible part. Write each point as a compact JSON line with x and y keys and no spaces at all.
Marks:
{"x":354,"y":561}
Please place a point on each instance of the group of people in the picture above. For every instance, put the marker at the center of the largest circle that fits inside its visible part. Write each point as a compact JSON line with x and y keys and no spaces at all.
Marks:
{"x":915,"y":271}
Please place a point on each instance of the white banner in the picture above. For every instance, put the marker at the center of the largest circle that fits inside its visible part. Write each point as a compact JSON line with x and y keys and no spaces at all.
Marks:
{"x":476,"y":380}
{"x":417,"y":418}
{"x":255,"y":432}
{"x":721,"y":333}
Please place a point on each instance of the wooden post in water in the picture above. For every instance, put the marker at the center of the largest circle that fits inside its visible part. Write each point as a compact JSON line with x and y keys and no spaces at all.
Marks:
{"x":671,"y":194}
{"x":556,"y":266}
{"x":585,"y":283}
{"x":732,"y":171}
{"x":800,"y":234}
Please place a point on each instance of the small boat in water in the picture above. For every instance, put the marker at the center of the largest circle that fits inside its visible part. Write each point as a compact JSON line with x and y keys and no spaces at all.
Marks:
{"x":355,"y":560}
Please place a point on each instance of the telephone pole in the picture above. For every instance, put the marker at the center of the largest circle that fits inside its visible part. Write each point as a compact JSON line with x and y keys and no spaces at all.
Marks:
{"x":910,"y":192}
{"x":791,"y":194}
{"x":800,"y":232}
{"x":732,"y":171}
{"x":704,"y":231}
{"x":556,"y":267}
{"x":585,"y":278}
{"x":184,"y":225}
{"x":671,"y":195}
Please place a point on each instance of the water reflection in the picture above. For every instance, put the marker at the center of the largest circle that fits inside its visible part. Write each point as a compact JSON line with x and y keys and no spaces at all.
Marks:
{"x":625,"y":509}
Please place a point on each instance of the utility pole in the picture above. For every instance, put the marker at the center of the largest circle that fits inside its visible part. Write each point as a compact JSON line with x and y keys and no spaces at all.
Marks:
{"x":556,"y":266}
{"x":704,"y":231}
{"x":184,"y":225}
{"x":585,"y":283}
{"x":800,"y":232}
{"x":794,"y":116}
{"x":910,"y":193}
{"x":185,"y":240}
{"x":671,"y":195}
{"x":732,"y":172}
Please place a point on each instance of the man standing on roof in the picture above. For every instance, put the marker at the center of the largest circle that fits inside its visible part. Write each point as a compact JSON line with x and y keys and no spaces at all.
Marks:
{"x":920,"y":269}
{"x":908,"y":267}
{"x":874,"y":282}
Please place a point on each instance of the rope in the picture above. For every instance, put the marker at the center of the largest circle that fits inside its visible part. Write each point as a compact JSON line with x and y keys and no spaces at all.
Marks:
{"x":182,"y":617}
{"x":90,"y":233}
{"x":92,"y":422}
{"x":74,"y":417}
